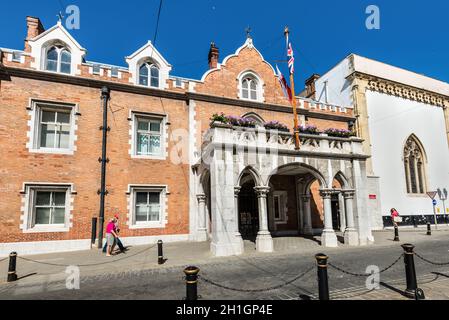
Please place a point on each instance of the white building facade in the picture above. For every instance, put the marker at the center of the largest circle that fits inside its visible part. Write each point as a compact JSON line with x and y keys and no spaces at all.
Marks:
{"x":403,"y":118}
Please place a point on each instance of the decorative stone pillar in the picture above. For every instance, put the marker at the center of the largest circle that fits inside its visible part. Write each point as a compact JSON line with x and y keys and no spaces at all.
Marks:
{"x":202,"y":218}
{"x":351,"y":234}
{"x":328,"y":237}
{"x":307,"y":227}
{"x":238,"y":236}
{"x":264,"y":241}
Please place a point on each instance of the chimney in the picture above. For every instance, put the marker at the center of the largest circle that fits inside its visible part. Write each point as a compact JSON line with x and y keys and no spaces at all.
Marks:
{"x":34,"y":28}
{"x":310,"y":86}
{"x":214,"y":54}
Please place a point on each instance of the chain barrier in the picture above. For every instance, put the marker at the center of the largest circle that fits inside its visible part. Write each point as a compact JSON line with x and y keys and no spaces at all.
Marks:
{"x":431,"y":262}
{"x":86,"y":265}
{"x":365,"y":274}
{"x":200,"y":277}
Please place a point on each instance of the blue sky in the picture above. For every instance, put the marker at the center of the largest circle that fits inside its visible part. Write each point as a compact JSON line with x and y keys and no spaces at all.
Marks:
{"x":412,"y":33}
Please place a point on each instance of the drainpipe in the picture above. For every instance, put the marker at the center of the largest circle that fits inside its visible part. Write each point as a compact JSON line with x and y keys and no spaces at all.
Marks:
{"x":105,"y":96}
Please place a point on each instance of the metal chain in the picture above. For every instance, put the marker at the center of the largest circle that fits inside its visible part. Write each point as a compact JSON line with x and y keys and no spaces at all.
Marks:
{"x":85,"y":265}
{"x":255,"y":290}
{"x":431,"y":262}
{"x":365,"y":274}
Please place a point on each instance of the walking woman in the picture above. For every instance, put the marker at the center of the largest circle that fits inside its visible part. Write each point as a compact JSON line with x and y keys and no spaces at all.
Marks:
{"x":395,"y":218}
{"x":111,"y":236}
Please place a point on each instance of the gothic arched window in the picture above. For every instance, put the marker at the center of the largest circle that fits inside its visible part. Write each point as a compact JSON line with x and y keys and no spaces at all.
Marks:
{"x":255,"y":117}
{"x":414,"y":165}
{"x":58,"y":59}
{"x":149,"y":75}
{"x":249,"y":88}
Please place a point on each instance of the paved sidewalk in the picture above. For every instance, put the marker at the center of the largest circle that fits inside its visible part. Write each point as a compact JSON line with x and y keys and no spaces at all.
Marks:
{"x":253,"y":276}
{"x":51,"y":267}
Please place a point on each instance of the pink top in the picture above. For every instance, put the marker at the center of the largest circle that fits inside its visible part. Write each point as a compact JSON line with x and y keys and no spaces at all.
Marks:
{"x":110,"y":227}
{"x":394,"y":213}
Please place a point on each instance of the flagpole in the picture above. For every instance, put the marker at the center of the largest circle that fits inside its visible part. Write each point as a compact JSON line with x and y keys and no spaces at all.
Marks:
{"x":295,"y":112}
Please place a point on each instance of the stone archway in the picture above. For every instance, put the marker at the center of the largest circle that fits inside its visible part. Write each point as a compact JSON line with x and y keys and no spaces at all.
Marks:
{"x":248,"y":209}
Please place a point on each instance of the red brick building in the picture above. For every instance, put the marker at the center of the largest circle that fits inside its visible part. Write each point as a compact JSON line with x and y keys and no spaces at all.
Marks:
{"x":50,"y":115}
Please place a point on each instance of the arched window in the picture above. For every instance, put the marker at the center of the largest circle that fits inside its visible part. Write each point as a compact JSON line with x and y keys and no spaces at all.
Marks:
{"x":149,"y":75}
{"x":143,"y":75}
{"x":414,"y":166}
{"x":58,"y":59}
{"x":249,"y":88}
{"x":255,"y":117}
{"x":66,"y":62}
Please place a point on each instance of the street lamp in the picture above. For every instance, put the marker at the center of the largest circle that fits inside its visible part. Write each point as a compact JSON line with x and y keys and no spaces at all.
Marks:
{"x":443,"y":197}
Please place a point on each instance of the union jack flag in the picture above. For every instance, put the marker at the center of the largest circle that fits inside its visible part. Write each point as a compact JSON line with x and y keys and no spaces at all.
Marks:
{"x":291,"y":57}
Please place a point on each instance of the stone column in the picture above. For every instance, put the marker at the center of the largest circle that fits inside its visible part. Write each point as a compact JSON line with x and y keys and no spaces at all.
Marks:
{"x":308,"y":230}
{"x":238,"y":236}
{"x":351,"y":234}
{"x":264,"y":241}
{"x":328,"y":237}
{"x":202,"y":218}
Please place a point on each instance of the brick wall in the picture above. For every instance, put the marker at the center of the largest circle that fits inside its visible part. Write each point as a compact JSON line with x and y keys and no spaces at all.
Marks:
{"x":18,"y":165}
{"x":82,"y":169}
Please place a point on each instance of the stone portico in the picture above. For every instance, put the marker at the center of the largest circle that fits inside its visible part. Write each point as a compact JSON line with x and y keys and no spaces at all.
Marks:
{"x":235,"y":158}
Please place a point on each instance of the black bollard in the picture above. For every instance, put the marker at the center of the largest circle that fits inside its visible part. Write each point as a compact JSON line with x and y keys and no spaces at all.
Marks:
{"x":94,"y":230}
{"x":12,"y":275}
{"x":410,"y":272}
{"x":323,"y":285}
{"x":396,"y":233}
{"x":191,"y":283}
{"x":160,"y":251}
{"x":429,"y":229}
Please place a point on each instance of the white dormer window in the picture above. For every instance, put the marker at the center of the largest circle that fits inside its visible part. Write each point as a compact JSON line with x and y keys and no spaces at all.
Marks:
{"x":58,"y":59}
{"x":149,"y":75}
{"x":250,"y":86}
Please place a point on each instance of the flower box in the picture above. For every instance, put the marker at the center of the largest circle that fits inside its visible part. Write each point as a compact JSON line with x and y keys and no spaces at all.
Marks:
{"x":276,"y":125}
{"x":309,"y":129}
{"x":339,"y":133}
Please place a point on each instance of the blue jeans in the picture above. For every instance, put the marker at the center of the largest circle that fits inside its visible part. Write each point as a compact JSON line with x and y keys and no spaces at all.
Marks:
{"x":119,"y":244}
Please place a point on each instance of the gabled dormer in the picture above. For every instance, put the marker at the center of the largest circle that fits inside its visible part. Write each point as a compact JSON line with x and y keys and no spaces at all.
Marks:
{"x":148,"y":67}
{"x":53,"y":50}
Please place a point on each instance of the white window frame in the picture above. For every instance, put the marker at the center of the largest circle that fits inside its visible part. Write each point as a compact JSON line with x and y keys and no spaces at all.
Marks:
{"x":36,"y":108}
{"x":163,"y":219}
{"x":149,"y":65}
{"x":136,"y":116}
{"x":59,"y":49}
{"x":259,"y":86}
{"x":30,"y":191}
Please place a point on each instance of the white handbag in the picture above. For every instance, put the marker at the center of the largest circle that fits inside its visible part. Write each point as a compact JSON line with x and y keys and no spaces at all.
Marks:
{"x":397,"y":219}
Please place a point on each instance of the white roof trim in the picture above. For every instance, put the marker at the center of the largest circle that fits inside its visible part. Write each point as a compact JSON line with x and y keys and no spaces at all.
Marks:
{"x":248,"y":43}
{"x":150,"y":45}
{"x":59,"y":26}
{"x":396,"y":74}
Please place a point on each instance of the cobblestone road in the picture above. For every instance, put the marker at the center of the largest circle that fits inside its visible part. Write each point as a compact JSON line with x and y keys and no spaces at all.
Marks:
{"x":247,"y":274}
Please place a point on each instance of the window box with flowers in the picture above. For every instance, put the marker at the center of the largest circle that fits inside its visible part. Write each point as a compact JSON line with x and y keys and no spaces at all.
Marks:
{"x":276,"y":125}
{"x":232,"y":121}
{"x":339,"y":133}
{"x":241,"y":122}
{"x":309,"y":129}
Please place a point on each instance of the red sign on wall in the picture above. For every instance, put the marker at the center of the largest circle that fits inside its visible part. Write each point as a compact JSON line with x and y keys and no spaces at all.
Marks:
{"x":372,"y":197}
